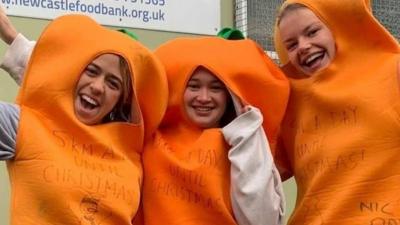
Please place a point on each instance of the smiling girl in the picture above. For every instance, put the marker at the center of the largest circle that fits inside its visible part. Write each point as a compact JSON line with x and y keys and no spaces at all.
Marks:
{"x":310,"y":44}
{"x":340,"y":135}
{"x":73,"y":143}
{"x":205,"y":99}
{"x":102,"y":90}
{"x":210,"y":162}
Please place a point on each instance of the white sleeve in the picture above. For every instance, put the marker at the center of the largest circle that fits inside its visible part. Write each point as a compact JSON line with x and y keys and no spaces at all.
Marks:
{"x":256,"y":187}
{"x":17,"y":57}
{"x":9,"y":120}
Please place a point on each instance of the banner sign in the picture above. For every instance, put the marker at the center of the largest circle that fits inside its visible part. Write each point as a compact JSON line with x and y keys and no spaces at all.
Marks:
{"x":186,"y":16}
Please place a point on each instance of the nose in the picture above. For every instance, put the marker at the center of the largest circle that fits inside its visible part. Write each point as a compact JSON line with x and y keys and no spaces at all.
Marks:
{"x":204,"y":95}
{"x":304,"y":45}
{"x":97,"y":85}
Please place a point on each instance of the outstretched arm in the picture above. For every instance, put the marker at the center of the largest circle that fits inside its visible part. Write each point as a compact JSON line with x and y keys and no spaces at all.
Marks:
{"x":17,"y":55}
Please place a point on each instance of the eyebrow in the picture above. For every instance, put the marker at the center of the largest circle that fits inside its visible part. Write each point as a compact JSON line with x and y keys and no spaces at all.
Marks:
{"x":95,"y":65}
{"x":311,"y":25}
{"x":217,"y":82}
{"x":116,"y":78}
{"x":112,"y":75}
{"x":213,"y":81}
{"x":303,"y":31}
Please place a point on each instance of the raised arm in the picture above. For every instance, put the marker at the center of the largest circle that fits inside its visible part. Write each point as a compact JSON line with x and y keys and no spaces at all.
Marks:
{"x":256,"y":188}
{"x":17,"y":55}
{"x":7,"y":31}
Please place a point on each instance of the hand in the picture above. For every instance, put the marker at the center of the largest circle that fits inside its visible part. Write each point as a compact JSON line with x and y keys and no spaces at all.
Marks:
{"x":244,"y":109}
{"x":7,"y":31}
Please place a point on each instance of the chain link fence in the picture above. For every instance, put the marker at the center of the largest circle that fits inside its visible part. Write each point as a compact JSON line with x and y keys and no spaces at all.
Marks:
{"x":256,"y":19}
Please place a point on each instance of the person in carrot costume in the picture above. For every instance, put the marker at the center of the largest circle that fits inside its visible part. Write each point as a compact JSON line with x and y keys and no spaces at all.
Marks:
{"x":340,"y":137}
{"x":210,"y":162}
{"x":73,"y":143}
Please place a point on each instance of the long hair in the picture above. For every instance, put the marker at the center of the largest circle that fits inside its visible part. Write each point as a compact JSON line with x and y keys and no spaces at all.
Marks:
{"x":122,"y":110}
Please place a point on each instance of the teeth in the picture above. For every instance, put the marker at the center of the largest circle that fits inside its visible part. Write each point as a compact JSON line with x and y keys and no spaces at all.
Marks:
{"x":203,"y":108}
{"x":89,"y":100}
{"x":312,"y":57}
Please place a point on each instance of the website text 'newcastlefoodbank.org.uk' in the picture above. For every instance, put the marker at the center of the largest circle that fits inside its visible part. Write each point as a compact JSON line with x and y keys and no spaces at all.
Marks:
{"x":105,"y":7}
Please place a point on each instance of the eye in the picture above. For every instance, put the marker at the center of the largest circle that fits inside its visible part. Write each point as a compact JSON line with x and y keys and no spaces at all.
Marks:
{"x":91,"y":70}
{"x":114,"y":83}
{"x":217,"y":87}
{"x":290,"y":46}
{"x":193,"y":86}
{"x":312,"y":32}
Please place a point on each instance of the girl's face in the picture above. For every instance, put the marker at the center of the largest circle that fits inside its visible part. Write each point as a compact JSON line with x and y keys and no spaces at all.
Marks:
{"x":98,"y":90}
{"x":205,"y":99}
{"x":308,"y":41}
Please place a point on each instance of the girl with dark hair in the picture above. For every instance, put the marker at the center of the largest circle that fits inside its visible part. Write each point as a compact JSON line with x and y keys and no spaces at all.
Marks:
{"x":210,"y":161}
{"x":73,"y":142}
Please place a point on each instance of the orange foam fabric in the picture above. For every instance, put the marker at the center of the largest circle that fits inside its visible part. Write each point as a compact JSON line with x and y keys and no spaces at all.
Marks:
{"x":340,"y":133}
{"x":66,"y":172}
{"x":187,"y":171}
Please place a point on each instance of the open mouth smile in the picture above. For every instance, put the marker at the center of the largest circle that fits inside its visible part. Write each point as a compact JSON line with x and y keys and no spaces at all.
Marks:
{"x":313,"y":61}
{"x":88,"y":102}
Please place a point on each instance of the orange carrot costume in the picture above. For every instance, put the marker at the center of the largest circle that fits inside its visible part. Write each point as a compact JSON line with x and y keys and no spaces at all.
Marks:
{"x":66,"y":172}
{"x":341,"y":130}
{"x":186,"y":168}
